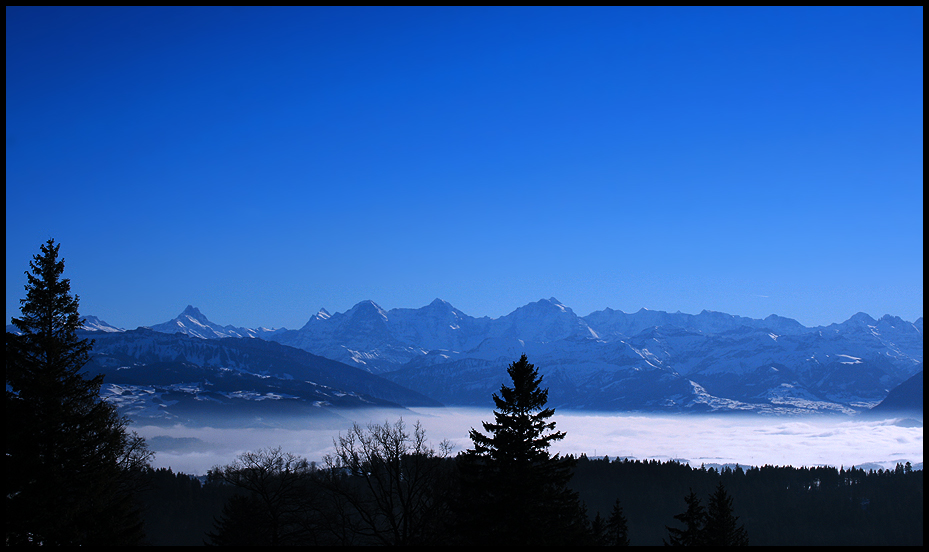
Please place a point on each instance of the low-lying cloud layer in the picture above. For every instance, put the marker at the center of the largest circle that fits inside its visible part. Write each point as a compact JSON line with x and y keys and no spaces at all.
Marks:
{"x":809,"y":441}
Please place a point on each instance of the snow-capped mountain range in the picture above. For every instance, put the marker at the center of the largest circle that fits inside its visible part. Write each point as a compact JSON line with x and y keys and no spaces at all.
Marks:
{"x":608,"y":360}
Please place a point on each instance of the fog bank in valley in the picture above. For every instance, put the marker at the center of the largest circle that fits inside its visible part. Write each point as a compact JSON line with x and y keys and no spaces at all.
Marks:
{"x":795,"y":441}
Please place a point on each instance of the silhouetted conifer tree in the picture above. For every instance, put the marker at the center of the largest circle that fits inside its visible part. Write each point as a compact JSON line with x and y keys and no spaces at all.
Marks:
{"x":68,"y":454}
{"x":694,"y":520}
{"x":514,"y":491}
{"x":617,"y":528}
{"x":598,"y":530}
{"x":721,"y":525}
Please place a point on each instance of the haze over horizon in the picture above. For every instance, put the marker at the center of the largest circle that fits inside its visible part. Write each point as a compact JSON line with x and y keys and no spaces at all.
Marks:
{"x":262,"y":163}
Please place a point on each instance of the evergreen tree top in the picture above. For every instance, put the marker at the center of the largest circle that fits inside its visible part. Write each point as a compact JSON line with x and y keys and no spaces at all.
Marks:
{"x":521,"y":432}
{"x":722,"y":527}
{"x":526,"y":395}
{"x":49,"y":322}
{"x":48,"y":311}
{"x":694,"y":520}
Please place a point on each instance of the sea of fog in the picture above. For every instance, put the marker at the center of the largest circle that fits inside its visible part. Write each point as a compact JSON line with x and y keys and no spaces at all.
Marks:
{"x":695,"y":439}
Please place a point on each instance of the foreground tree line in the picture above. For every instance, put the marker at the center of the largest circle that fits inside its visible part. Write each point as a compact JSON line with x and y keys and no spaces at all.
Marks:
{"x":776,"y":505}
{"x":619,"y":501}
{"x":76,"y":475}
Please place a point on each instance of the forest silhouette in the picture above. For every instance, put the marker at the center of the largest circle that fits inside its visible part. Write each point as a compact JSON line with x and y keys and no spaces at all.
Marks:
{"x":777,"y":505}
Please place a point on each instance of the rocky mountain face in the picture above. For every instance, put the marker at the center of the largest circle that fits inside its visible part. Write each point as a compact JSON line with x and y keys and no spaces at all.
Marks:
{"x":610,"y":360}
{"x":383,"y":341}
{"x":172,"y":378}
{"x":905,"y":399}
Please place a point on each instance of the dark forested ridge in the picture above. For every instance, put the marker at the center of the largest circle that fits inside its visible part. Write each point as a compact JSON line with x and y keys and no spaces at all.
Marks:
{"x":776,"y":505}
{"x":178,"y":508}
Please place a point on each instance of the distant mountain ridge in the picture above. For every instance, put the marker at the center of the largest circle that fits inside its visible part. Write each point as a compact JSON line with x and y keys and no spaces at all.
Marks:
{"x":407,"y":325}
{"x":609,"y":360}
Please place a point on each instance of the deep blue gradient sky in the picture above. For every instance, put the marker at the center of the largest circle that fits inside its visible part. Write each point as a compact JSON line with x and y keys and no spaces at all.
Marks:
{"x":263,"y":163}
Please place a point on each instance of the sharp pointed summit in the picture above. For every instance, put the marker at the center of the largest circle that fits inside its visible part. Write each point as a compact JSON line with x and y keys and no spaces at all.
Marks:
{"x":194,"y":323}
{"x":367,"y":308}
{"x":193,"y":311}
{"x":191,"y":322}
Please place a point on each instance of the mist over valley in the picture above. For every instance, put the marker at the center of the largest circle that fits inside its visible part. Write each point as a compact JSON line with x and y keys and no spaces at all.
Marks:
{"x":695,"y":439}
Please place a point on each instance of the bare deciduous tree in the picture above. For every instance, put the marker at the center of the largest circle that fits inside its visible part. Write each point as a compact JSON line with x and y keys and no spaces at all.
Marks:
{"x":276,"y":503}
{"x":391,"y":485}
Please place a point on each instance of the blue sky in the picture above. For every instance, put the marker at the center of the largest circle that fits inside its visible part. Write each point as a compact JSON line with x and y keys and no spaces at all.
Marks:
{"x":263,"y":163}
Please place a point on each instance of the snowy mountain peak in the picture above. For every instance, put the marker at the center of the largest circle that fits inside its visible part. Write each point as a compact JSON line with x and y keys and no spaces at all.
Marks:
{"x":545,"y":320}
{"x":193,"y":312}
{"x":94,"y":324}
{"x":782,"y":323}
{"x":559,"y":304}
{"x":440,"y":307}
{"x":546,"y":305}
{"x":862,"y":318}
{"x":367,"y":303}
{"x":194,"y":323}
{"x":367,"y":307}
{"x":320,"y":317}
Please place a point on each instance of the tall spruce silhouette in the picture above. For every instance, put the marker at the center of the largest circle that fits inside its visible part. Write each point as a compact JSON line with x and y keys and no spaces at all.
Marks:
{"x":515,"y":491}
{"x":67,"y":451}
{"x":714,"y":525}
{"x":722,"y":527}
{"x":694,"y":520}
{"x":617,"y":527}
